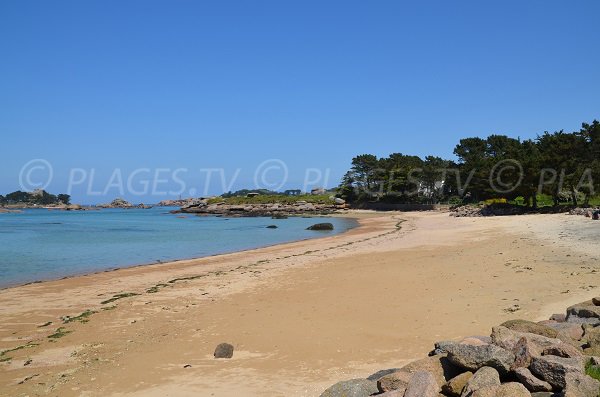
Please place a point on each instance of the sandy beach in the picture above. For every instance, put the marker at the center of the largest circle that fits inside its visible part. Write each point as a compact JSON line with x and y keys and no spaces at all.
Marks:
{"x":301,"y":315}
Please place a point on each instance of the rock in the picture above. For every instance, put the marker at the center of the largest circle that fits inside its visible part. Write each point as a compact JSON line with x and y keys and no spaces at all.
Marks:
{"x":379,"y":374}
{"x":507,"y":339}
{"x":511,"y":389}
{"x":553,"y":369}
{"x":351,"y":388}
{"x":585,"y":312}
{"x":272,"y":227}
{"x":485,"y":377}
{"x":392,"y":393}
{"x":524,"y":352}
{"x":592,"y":336}
{"x":562,"y":350}
{"x":455,"y":386}
{"x":530,"y":327}
{"x":473,"y":341}
{"x":440,"y":347}
{"x":422,"y":384}
{"x":525,"y":345}
{"x":394,"y":381}
{"x":580,"y":385}
{"x":438,"y":365}
{"x":570,"y":330}
{"x":596,"y":300}
{"x":530,"y":381}
{"x":545,"y":394}
{"x":224,"y":350}
{"x":321,"y":226}
{"x":475,"y":357}
{"x":559,"y":317}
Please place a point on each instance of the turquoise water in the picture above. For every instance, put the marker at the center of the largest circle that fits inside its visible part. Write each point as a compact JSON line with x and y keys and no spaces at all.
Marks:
{"x":40,"y":244}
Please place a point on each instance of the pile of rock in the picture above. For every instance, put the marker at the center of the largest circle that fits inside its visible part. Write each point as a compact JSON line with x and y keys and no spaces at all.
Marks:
{"x":466,"y":211}
{"x":277,"y":210}
{"x":587,"y":212}
{"x":121,"y":203}
{"x":552,"y":358}
{"x":180,"y":202}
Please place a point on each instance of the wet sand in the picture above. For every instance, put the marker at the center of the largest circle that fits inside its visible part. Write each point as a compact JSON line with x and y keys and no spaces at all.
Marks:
{"x":301,"y":315}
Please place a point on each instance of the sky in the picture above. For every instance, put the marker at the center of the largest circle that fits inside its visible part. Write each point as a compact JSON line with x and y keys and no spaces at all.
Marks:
{"x":150,"y":100}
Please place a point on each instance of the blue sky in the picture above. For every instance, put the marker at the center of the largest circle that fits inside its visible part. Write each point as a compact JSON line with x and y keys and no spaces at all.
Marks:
{"x":125,"y":85}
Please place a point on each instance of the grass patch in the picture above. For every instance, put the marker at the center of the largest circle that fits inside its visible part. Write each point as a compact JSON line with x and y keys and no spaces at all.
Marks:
{"x":592,"y":370}
{"x":59,"y":333}
{"x":3,"y":353}
{"x":186,"y":278}
{"x":82,"y":318}
{"x":119,"y":296}
{"x":156,"y":288}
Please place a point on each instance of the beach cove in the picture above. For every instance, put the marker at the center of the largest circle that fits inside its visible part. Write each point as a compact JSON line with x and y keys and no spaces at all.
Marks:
{"x":301,"y":315}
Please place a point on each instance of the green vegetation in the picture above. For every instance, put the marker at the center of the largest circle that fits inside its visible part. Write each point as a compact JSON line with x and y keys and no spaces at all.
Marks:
{"x":82,"y":318}
{"x":272,"y":199}
{"x":118,"y":296}
{"x":38,"y":197}
{"x":156,"y":288}
{"x":4,"y":357}
{"x":592,"y":370}
{"x":59,"y":333}
{"x":553,"y":169}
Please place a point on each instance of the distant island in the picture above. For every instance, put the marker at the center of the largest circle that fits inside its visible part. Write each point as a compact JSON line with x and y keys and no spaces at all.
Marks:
{"x":37,"y":198}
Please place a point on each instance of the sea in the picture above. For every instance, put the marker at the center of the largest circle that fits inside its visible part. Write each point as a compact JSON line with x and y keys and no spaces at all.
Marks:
{"x":41,"y":244}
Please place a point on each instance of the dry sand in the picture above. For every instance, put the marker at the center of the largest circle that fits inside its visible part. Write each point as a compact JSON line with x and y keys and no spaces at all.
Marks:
{"x":301,"y":315}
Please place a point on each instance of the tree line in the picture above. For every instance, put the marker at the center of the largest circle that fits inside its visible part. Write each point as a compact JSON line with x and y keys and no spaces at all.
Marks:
{"x":39,"y":197}
{"x":562,"y":165}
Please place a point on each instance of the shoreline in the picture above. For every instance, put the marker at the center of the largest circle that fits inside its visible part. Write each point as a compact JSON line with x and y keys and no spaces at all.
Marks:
{"x":350,"y":216}
{"x":301,"y":315}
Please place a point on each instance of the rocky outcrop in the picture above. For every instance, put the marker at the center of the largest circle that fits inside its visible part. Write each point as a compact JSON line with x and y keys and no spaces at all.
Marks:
{"x":321,"y":226}
{"x":124,"y":204}
{"x":274,"y":210}
{"x":551,"y":358}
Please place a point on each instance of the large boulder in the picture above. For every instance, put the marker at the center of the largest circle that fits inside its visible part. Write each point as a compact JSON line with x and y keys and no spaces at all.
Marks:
{"x":511,"y":389}
{"x":571,"y":330}
{"x":439,"y":366}
{"x":455,"y":386}
{"x":395,"y":381}
{"x":483,"y":378}
{"x":529,"y":380}
{"x":530,"y":327}
{"x":584,"y":313}
{"x":580,"y":385}
{"x":224,"y":350}
{"x":381,"y":373}
{"x":554,"y":369}
{"x":351,"y":388}
{"x":321,"y":226}
{"x":474,"y":357}
{"x":422,"y":384}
